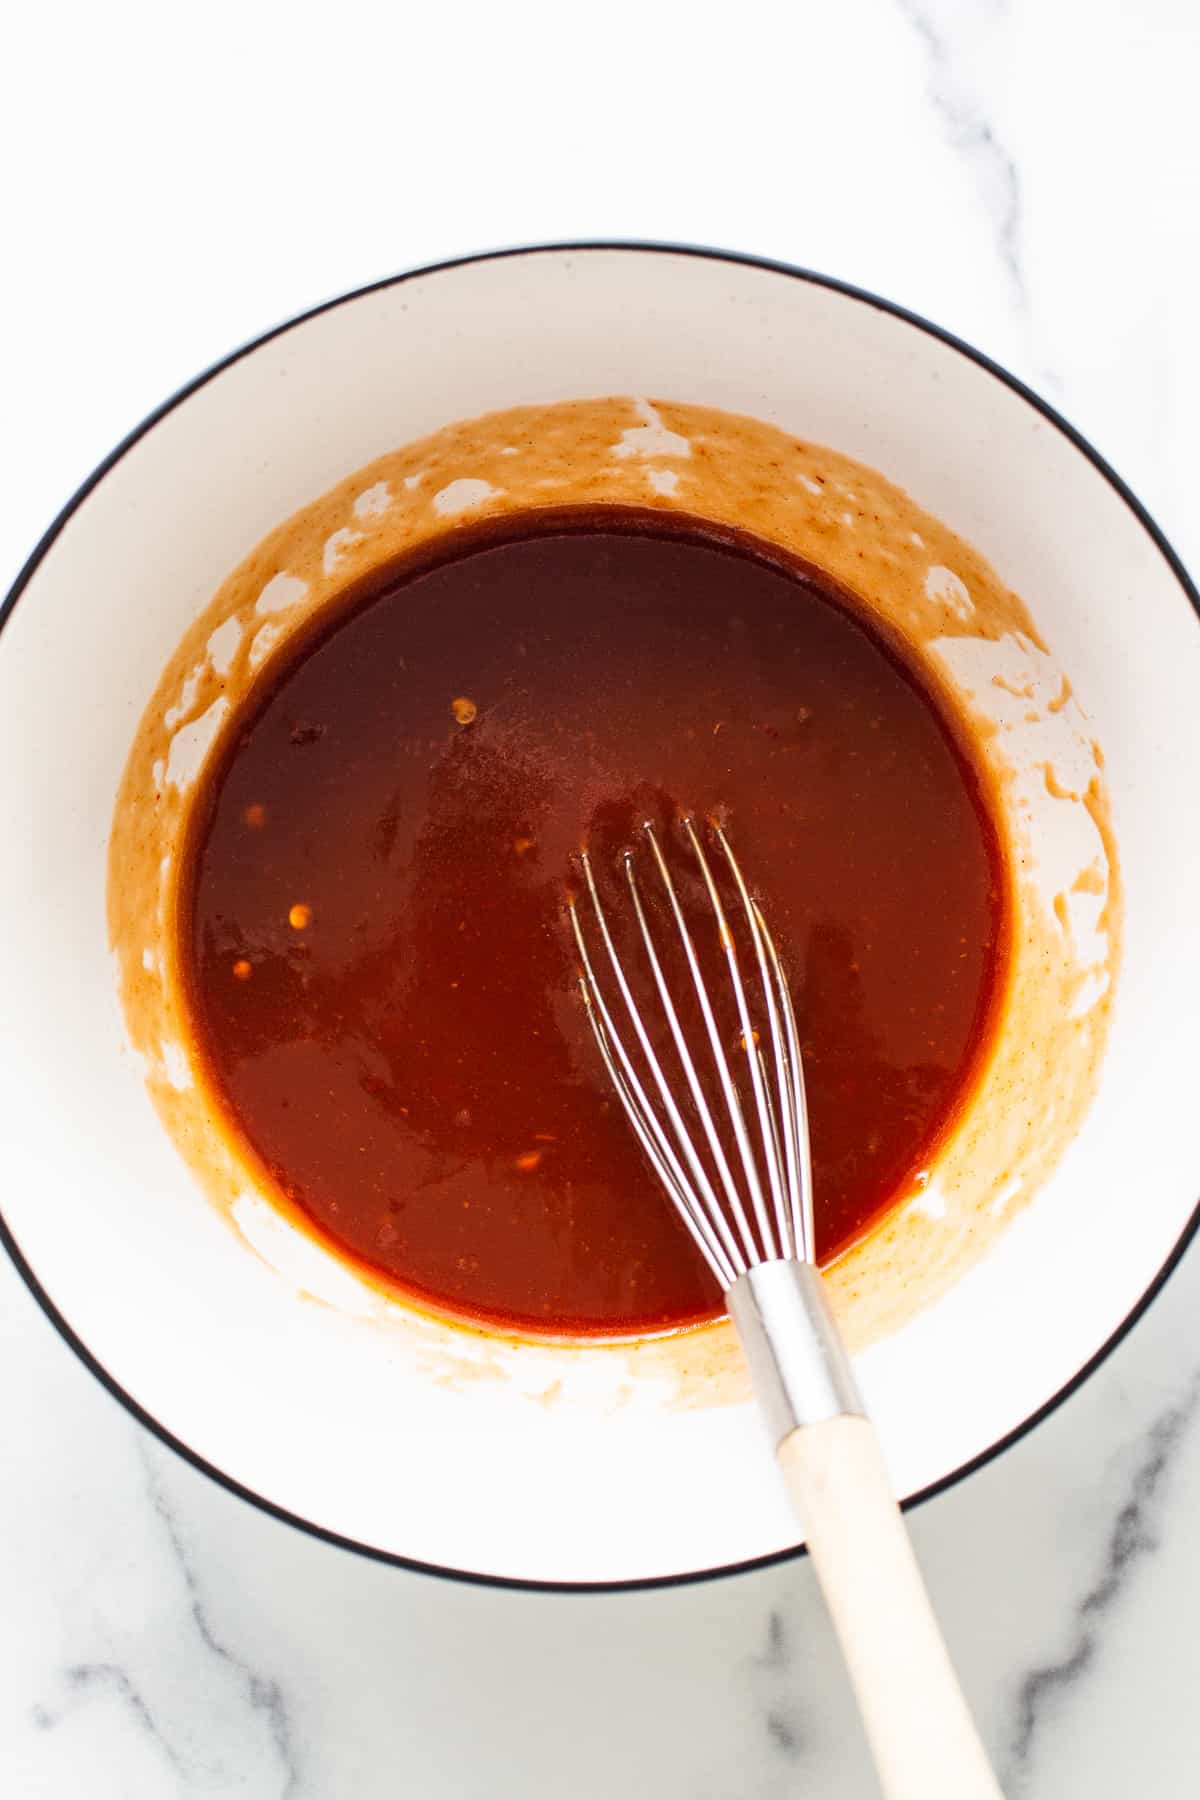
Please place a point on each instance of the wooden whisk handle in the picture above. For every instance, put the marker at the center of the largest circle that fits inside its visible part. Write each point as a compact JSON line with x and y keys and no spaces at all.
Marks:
{"x":921,"y":1734}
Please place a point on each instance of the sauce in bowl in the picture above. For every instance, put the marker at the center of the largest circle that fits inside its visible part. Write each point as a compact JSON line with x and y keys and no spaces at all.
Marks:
{"x":382,"y":989}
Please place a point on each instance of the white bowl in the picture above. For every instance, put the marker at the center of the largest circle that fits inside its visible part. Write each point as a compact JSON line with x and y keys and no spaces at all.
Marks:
{"x":311,"y":1412}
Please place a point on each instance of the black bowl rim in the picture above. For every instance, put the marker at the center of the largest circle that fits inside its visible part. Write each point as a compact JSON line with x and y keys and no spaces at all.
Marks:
{"x":648,"y":247}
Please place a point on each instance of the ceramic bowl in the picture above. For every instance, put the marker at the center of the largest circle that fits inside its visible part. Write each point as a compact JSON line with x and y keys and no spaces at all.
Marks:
{"x":313,"y":1412}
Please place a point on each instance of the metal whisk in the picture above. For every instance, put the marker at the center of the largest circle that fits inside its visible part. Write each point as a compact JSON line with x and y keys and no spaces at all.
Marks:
{"x":727,"y":1135}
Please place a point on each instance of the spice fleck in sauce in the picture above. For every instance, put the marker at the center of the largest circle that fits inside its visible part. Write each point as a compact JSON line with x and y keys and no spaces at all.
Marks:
{"x":382,"y":985}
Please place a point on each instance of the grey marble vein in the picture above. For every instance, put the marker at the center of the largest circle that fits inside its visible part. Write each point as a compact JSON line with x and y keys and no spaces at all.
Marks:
{"x":772,"y":1669}
{"x":264,"y":1694}
{"x":968,"y":126}
{"x":81,"y":1677}
{"x":1134,"y":1536}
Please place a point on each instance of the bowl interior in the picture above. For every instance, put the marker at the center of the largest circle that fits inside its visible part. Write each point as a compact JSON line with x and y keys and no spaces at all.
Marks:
{"x":305,"y":1405}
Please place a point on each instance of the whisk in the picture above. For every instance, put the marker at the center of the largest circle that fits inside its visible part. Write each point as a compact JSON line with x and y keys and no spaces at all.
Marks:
{"x":727,"y":1135}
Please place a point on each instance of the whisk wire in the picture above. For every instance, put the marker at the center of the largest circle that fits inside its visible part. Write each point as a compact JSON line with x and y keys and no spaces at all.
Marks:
{"x":679,"y":1037}
{"x":796,"y":1228}
{"x":795,"y":1109}
{"x":708,"y":1227}
{"x":714,"y":1216}
{"x":643,"y":1124}
{"x":729,"y":1092}
{"x":728,"y":1239}
{"x":750,"y":1044}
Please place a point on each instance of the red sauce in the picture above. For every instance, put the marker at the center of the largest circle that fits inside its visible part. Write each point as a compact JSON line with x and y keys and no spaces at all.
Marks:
{"x":383,"y":987}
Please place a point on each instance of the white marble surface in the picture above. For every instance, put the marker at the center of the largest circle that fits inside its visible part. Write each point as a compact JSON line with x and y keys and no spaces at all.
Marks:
{"x":1026,"y":173}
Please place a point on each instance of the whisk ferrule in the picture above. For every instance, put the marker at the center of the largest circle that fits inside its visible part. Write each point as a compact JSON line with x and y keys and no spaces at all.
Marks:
{"x":798,"y":1363}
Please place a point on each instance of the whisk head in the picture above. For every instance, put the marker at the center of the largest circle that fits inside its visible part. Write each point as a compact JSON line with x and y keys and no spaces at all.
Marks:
{"x":719,"y":1111}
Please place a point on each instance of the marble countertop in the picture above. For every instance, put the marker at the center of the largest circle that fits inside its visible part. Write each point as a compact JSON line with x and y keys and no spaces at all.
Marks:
{"x":1025,"y":173}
